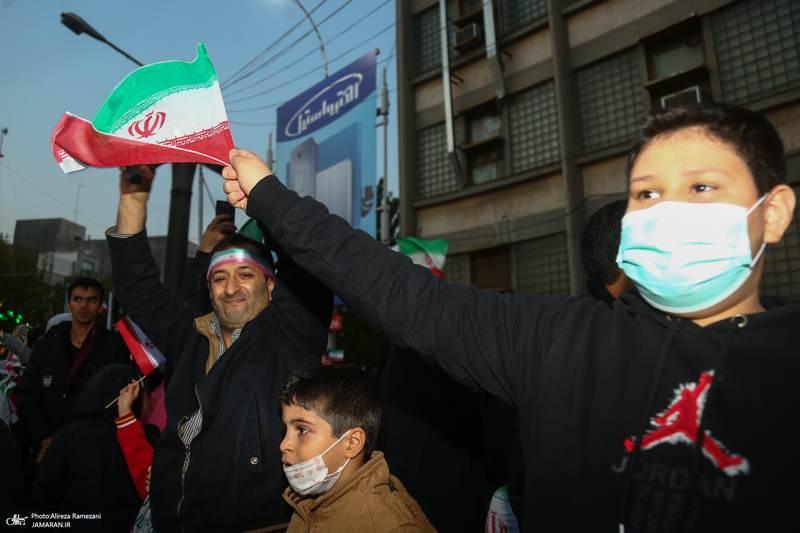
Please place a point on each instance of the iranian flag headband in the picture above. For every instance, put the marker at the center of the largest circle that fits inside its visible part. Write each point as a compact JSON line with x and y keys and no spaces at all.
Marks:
{"x":240,"y":255}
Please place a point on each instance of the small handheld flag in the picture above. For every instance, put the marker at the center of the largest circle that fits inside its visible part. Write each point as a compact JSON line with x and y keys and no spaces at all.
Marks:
{"x":169,"y":112}
{"x":144,"y":351}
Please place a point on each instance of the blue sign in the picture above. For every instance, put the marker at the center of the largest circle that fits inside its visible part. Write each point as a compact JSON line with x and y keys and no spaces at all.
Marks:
{"x":326,"y":146}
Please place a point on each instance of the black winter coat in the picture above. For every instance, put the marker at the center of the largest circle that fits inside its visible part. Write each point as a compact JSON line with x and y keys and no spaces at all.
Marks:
{"x":84,"y":468}
{"x":46,"y":395}
{"x":231,"y":477}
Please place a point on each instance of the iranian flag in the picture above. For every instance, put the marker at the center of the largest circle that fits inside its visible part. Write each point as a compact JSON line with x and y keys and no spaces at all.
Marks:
{"x":170,"y":112}
{"x":430,"y":254}
{"x":147,"y":356}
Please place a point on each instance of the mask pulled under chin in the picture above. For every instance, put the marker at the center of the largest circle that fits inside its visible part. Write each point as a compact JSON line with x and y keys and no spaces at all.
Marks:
{"x":311,"y":478}
{"x":687,"y":257}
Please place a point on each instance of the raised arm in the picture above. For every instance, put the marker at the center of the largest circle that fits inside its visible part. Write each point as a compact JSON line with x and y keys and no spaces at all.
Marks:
{"x":162,"y":316}
{"x":133,"y":197}
{"x":302,"y":304}
{"x":479,"y":337}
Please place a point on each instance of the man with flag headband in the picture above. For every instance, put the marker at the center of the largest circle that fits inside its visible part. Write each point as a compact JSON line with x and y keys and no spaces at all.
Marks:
{"x":217,"y":466}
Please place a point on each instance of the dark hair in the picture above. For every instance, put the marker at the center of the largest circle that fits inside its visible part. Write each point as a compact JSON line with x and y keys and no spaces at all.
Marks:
{"x":600,"y":242}
{"x":86,"y":283}
{"x":236,"y":240}
{"x":342,"y":395}
{"x":749,"y":134}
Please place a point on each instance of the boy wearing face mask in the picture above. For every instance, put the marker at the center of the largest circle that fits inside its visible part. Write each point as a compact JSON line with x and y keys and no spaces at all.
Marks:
{"x":673,"y":410}
{"x":337,"y":482}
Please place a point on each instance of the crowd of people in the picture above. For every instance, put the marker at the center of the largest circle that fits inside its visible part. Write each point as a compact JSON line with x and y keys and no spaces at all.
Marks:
{"x":661,"y":399}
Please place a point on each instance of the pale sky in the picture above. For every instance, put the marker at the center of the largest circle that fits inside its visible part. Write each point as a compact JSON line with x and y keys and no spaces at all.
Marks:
{"x":45,"y":70}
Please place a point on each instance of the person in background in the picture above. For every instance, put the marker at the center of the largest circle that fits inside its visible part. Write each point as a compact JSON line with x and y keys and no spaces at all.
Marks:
{"x":85,"y":468}
{"x":132,"y":436}
{"x":194,"y":288}
{"x":17,"y":343}
{"x":63,"y":362}
{"x":599,"y":248}
{"x":138,"y":451}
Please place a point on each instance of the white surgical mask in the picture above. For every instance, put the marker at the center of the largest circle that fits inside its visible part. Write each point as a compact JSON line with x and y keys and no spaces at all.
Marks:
{"x":311,"y":478}
{"x":687,"y":257}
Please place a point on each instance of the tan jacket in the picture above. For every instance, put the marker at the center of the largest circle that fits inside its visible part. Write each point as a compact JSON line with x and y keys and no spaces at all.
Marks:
{"x":371,"y":500}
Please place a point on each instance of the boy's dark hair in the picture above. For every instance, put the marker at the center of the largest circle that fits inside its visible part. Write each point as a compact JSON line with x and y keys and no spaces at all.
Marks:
{"x":236,"y":240}
{"x":600,"y":242}
{"x":748,"y":133}
{"x":343,"y":395}
{"x":86,"y":283}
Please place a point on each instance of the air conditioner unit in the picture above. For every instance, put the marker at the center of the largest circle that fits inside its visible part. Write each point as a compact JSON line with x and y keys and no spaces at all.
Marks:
{"x":468,"y":36}
{"x":690,"y":95}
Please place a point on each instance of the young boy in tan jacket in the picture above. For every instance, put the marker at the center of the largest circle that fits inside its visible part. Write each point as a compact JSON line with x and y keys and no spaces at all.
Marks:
{"x":332,"y":415}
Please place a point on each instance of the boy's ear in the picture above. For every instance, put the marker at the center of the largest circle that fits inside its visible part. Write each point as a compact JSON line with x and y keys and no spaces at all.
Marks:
{"x":779,"y":212}
{"x":355,"y":444}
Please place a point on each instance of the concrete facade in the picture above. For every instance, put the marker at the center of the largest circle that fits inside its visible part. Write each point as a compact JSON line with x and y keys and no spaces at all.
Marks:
{"x":62,"y":247}
{"x":575,"y":77}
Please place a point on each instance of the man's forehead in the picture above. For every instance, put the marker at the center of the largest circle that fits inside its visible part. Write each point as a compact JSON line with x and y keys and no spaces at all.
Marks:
{"x":233,"y":265}
{"x":242,"y":246}
{"x":85,"y":292}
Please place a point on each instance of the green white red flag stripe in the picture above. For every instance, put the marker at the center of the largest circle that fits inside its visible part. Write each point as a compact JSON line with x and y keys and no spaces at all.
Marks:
{"x":170,"y":112}
{"x":147,"y":356}
{"x":430,"y":254}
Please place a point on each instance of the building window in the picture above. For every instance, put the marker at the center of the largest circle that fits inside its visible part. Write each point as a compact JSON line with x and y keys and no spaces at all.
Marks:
{"x":491,"y":269}
{"x":757,"y":47}
{"x":781,"y":276}
{"x":610,"y":101}
{"x":677,"y":70}
{"x":87,"y":268}
{"x":456,"y":268}
{"x":517,"y":13}
{"x":542,"y":266}
{"x":428,"y":40}
{"x":483,"y":143}
{"x":436,"y":176}
{"x":533,"y":127}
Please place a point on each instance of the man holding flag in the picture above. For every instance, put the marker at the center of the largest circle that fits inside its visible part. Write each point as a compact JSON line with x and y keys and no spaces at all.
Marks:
{"x":217,"y":466}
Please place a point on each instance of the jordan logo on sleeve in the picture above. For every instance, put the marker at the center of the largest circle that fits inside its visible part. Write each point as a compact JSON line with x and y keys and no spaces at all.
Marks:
{"x":681,"y":423}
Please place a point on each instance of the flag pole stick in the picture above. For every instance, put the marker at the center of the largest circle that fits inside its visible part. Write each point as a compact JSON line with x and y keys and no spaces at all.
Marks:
{"x":120,"y":396}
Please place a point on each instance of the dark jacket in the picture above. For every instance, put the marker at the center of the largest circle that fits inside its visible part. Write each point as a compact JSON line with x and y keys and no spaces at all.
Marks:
{"x":586,"y":381}
{"x":47,"y":393}
{"x":84,"y":468}
{"x":231,"y":478}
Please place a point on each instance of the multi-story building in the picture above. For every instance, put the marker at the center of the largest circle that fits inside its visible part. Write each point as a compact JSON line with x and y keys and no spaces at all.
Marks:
{"x":511,"y":137}
{"x":65,"y":251}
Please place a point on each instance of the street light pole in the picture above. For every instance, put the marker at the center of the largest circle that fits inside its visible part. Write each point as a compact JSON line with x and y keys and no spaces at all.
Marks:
{"x":319,"y":37}
{"x":78,"y":25}
{"x":182,"y":177}
{"x":384,"y":112}
{"x":3,"y":133}
{"x":77,"y":197}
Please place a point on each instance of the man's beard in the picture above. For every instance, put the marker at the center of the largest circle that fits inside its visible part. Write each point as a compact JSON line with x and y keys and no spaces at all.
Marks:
{"x":231,"y":319}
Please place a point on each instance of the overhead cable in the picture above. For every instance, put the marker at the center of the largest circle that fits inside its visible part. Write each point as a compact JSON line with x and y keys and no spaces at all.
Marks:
{"x":280,"y":53}
{"x":296,"y":61}
{"x":232,"y":81}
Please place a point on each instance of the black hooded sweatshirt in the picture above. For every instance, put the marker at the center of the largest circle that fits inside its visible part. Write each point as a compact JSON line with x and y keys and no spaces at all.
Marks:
{"x":588,"y":381}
